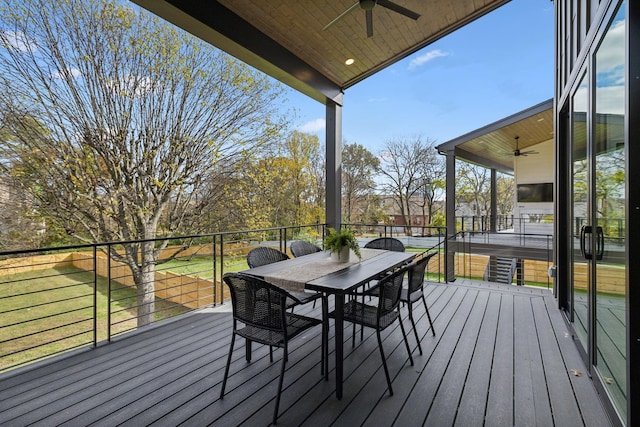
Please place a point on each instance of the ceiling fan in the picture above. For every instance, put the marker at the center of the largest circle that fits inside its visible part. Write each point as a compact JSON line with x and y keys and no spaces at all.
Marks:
{"x":367,"y":6}
{"x":517,"y":151}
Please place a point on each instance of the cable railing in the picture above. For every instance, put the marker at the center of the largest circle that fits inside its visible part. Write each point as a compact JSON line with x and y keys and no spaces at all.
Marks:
{"x":483,"y":222}
{"x":54,"y":300}
{"x":415,"y":238}
{"x":509,"y":258}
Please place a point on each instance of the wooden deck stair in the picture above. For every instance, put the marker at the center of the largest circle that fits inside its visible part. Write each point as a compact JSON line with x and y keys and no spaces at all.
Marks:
{"x":501,"y":270}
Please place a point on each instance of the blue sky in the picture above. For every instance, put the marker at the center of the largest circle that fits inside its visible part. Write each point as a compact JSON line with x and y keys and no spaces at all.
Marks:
{"x":496,"y":66}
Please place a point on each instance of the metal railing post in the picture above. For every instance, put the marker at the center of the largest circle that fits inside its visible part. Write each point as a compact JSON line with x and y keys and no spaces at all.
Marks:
{"x":221,"y":268}
{"x":215,"y":271}
{"x":109,"y":296}
{"x":95,"y":297}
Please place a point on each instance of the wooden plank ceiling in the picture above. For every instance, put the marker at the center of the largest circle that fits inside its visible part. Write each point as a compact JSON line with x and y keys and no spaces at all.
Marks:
{"x":493,"y":145}
{"x":298,"y":26}
{"x":286,"y":39}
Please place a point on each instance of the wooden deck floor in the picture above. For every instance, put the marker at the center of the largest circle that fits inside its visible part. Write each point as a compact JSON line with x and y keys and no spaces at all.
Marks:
{"x":501,"y":356}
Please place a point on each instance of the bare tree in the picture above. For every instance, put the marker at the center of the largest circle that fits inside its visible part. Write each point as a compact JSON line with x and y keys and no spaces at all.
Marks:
{"x":117,"y":120}
{"x":407,"y":165}
{"x":359,"y":166}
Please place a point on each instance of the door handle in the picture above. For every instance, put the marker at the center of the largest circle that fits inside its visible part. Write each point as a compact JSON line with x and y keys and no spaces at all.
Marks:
{"x":585,"y":246}
{"x":599,"y":243}
{"x":585,"y":242}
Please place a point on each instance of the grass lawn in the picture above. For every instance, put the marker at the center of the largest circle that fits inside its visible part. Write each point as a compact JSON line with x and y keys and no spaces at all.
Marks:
{"x":202,"y":266}
{"x":48,"y":311}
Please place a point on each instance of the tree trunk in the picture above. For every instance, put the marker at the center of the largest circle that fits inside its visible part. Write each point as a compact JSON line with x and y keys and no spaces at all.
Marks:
{"x":145,"y":285}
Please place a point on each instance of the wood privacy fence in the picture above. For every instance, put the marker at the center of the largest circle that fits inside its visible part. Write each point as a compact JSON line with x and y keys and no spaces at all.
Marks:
{"x":611,"y":278}
{"x":190,"y":291}
{"x":194,"y":292}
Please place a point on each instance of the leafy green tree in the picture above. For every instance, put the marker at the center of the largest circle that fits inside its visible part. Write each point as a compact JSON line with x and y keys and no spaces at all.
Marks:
{"x":303,"y":150}
{"x":279,"y":184}
{"x":132,"y":116}
{"x":505,"y":193}
{"x":473,"y":188}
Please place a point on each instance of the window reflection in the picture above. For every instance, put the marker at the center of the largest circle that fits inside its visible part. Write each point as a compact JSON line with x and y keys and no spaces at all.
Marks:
{"x":608,"y":140}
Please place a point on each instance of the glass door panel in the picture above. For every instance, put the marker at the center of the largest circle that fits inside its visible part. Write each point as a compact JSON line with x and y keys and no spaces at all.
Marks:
{"x":579,"y":214}
{"x":610,"y":198}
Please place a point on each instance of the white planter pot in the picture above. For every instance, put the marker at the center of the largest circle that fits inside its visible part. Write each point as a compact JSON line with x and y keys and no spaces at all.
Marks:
{"x":341,"y":256}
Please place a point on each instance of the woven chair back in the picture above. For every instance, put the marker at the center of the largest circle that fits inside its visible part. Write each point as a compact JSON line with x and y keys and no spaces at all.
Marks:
{"x":264,"y":255}
{"x":387,"y":243}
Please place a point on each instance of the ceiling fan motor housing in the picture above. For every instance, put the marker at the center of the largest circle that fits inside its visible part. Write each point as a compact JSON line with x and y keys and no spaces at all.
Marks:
{"x":367,"y":4}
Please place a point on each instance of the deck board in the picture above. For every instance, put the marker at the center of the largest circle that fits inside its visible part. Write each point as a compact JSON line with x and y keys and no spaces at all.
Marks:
{"x":501,"y":355}
{"x":471,"y":408}
{"x":445,"y":404}
{"x":500,"y":405}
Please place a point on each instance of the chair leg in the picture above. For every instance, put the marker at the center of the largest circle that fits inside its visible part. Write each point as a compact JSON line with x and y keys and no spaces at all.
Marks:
{"x":384,"y":363}
{"x":324,"y":368}
{"x":362,"y":326}
{"x":413,"y":323}
{"x":284,"y":362}
{"x":226,"y":369}
{"x":353,"y":335}
{"x":247,"y":350}
{"x":433,"y":331}
{"x":404,"y":335}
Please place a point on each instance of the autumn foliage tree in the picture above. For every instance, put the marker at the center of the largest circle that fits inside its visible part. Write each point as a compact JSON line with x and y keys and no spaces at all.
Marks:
{"x":279,"y":184}
{"x":115,"y":120}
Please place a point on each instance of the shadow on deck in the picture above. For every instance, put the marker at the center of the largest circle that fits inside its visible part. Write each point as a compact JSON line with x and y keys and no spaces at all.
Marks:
{"x":502,"y":356}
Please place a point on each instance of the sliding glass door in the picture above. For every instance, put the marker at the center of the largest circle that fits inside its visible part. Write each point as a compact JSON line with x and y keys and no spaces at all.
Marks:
{"x":597,"y":264}
{"x":609,"y":211}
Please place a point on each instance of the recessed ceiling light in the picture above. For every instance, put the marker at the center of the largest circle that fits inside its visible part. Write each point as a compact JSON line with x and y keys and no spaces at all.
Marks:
{"x":349,"y":61}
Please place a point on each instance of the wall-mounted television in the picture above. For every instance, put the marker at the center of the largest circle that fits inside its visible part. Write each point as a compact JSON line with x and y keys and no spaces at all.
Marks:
{"x":542,"y":192}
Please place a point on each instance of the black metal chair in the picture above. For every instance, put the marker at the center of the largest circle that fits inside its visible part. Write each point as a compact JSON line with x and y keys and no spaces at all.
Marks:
{"x":302,"y":248}
{"x":264,"y":255}
{"x":261,"y":309}
{"x":387,"y":243}
{"x":384,"y":314}
{"x":414,"y":291}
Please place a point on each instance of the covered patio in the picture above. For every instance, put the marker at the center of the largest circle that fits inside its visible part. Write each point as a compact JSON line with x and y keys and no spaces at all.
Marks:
{"x":502,"y":356}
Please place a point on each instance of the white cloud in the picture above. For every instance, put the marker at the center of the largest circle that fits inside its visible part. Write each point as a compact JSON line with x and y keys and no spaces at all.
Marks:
{"x":426,"y":57}
{"x":17,"y":41}
{"x":313,"y":126}
{"x":132,"y":86}
{"x":74,"y":72}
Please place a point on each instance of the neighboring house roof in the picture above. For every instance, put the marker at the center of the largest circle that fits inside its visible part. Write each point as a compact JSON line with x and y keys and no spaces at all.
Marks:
{"x":491,"y":145}
{"x":285,"y":38}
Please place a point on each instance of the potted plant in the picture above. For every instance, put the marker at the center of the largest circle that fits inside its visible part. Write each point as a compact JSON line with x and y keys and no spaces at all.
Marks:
{"x":340,"y":243}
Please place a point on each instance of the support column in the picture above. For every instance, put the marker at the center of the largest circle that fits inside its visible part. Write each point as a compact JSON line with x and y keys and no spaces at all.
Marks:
{"x":450,"y":214}
{"x":333,"y":202}
{"x":493,"y":219}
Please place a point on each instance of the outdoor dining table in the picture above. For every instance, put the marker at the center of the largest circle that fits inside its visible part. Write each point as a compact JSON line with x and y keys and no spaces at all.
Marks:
{"x":319,"y":272}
